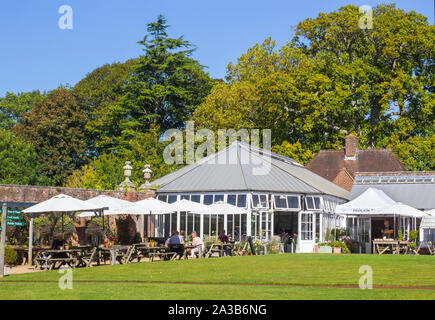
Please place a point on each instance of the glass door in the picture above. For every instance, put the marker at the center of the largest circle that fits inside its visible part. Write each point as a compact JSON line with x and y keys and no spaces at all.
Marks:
{"x":307,"y":230}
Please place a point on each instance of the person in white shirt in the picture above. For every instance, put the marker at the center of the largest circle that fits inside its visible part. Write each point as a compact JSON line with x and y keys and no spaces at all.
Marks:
{"x":198,"y":243}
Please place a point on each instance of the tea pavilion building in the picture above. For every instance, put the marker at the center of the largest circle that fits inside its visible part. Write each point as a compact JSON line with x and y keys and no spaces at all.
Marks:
{"x":277,"y":194}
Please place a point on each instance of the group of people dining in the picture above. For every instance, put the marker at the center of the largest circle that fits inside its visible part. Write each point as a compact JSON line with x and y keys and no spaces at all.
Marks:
{"x":198,"y":244}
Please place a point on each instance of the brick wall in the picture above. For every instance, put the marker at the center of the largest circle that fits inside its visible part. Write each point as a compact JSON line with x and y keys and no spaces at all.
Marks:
{"x":36,"y":194}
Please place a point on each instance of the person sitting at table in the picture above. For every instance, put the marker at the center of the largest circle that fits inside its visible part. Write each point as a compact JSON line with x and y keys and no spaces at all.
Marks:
{"x":387,"y":230}
{"x":198,"y":243}
{"x":223,"y":237}
{"x":175,"y":243}
{"x":57,"y":242}
{"x":174,"y":239}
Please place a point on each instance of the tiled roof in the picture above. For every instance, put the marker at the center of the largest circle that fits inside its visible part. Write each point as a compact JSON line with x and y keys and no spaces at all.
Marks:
{"x":329,"y":163}
{"x":216,"y":173}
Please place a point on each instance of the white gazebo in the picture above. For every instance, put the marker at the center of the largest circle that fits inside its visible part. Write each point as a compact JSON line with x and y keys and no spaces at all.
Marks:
{"x":58,"y":204}
{"x":366,"y":214}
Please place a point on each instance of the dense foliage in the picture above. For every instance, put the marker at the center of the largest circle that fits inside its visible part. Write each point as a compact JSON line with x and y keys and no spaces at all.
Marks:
{"x":334,"y":78}
{"x":331,"y":79}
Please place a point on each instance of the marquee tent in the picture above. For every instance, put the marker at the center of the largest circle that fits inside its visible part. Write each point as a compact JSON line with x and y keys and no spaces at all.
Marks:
{"x":372,"y":201}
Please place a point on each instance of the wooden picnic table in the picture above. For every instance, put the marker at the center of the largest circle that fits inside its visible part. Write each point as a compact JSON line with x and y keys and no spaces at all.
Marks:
{"x":117,"y":252}
{"x":220,"y":248}
{"x":61,"y":257}
{"x":381,"y":246}
{"x":23,"y":253}
{"x":144,"y":250}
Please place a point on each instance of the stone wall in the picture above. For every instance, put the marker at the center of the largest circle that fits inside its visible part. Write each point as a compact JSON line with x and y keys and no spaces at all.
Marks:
{"x":36,"y":194}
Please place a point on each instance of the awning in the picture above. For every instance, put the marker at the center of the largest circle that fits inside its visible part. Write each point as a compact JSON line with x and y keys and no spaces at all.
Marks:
{"x":372,"y":201}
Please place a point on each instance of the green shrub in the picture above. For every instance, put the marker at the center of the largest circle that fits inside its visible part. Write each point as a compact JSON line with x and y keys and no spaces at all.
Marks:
{"x":10,"y":256}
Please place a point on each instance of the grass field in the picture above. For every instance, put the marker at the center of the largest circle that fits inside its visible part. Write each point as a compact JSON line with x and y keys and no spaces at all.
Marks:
{"x":285,"y":276}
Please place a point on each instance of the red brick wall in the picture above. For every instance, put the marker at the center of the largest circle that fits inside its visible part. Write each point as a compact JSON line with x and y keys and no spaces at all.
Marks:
{"x":36,"y":194}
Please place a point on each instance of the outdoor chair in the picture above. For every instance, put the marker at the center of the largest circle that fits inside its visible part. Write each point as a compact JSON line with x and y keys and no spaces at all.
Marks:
{"x":89,"y":256}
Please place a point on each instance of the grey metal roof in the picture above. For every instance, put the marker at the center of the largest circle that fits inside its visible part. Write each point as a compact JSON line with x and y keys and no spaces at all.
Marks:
{"x":238,"y":168}
{"x":417,"y":195}
{"x":428,"y":222}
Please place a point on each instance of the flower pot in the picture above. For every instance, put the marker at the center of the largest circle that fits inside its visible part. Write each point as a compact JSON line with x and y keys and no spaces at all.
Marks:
{"x":106,"y":244}
{"x":316,"y":249}
{"x":7,"y":270}
{"x":336,"y":250}
{"x":325,"y":249}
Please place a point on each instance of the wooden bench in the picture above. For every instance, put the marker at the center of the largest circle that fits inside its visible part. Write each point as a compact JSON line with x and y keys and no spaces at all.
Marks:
{"x":51,"y":262}
{"x":162,"y":255}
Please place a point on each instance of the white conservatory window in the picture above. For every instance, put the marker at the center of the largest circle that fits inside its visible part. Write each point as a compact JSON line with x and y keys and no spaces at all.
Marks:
{"x":286,"y":202}
{"x":195,"y":198}
{"x":260,"y":201}
{"x":238,"y":200}
{"x":313,"y":203}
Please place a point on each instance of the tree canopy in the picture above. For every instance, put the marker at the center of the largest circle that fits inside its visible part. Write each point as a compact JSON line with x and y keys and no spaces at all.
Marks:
{"x":334,"y":78}
{"x":56,"y":129}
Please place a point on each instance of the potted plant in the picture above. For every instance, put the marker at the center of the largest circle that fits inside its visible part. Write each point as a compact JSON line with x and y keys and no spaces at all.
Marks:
{"x":324,"y":247}
{"x":10,"y":260}
{"x":67,"y":244}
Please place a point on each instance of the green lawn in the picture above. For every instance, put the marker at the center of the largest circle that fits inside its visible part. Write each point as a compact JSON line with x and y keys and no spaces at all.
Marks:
{"x":266,"y":276}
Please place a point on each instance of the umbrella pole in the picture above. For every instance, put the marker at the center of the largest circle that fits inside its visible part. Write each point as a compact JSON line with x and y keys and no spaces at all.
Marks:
{"x":62,"y":222}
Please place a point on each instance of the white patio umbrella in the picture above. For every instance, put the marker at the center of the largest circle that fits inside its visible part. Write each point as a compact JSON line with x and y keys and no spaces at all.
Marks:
{"x":111,"y":203}
{"x":58,"y":204}
{"x":224,"y":208}
{"x":189,"y":206}
{"x":63,"y":203}
{"x":431,"y":212}
{"x":147,"y":206}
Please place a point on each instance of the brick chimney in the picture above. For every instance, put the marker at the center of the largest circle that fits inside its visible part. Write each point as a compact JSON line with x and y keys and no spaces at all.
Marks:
{"x":351,"y":146}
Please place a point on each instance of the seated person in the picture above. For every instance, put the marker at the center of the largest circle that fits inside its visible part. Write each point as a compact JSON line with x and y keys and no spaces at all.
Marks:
{"x":175,"y":243}
{"x":387,"y":230}
{"x":223,"y":237}
{"x":57,"y":242}
{"x":198,"y":243}
{"x":175,"y":238}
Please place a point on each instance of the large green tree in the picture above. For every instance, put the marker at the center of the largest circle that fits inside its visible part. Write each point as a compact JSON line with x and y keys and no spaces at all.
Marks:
{"x":13,"y":106}
{"x":19,"y":161}
{"x":56,"y":128}
{"x":166,"y":85}
{"x":335,"y":78}
{"x":106,"y":171}
{"x":96,"y":95}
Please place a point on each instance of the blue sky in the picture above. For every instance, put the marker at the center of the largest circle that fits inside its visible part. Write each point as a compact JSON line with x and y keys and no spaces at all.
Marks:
{"x":37,"y":54}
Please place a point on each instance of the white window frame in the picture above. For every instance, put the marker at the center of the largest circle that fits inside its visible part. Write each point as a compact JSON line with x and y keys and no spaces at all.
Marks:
{"x":286,"y":200}
{"x":320,"y":202}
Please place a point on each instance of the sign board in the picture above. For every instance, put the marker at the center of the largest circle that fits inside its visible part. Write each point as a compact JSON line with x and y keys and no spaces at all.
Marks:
{"x":14,"y":217}
{"x":13,"y":211}
{"x":16,"y":223}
